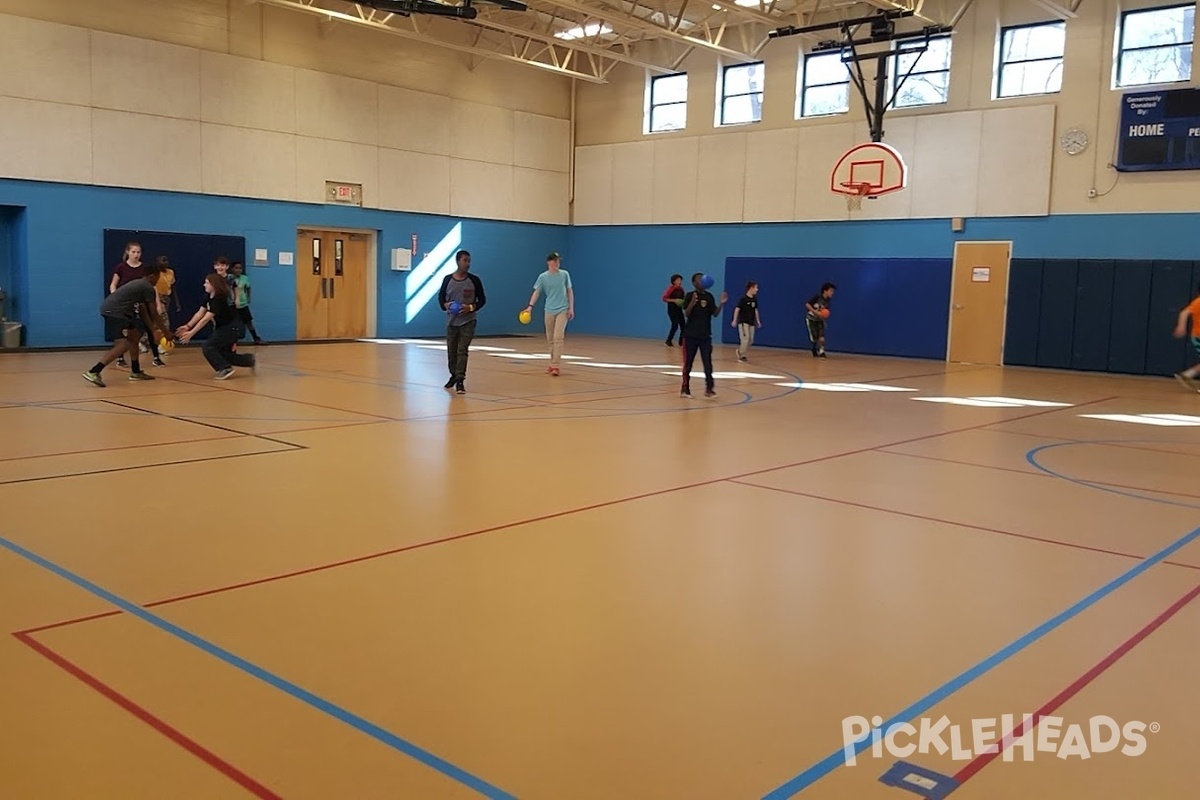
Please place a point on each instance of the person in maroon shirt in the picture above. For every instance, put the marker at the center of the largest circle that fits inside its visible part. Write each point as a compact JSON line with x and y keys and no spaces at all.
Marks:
{"x":128,"y":270}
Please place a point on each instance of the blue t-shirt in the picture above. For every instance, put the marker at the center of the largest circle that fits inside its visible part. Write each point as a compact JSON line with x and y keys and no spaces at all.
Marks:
{"x":554,"y":286}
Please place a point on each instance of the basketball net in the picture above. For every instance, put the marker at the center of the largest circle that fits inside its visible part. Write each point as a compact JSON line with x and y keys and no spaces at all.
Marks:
{"x":855,"y":195}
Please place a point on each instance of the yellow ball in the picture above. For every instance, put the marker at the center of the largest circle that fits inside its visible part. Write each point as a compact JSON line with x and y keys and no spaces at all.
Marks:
{"x":525,"y":317}
{"x":166,"y":344}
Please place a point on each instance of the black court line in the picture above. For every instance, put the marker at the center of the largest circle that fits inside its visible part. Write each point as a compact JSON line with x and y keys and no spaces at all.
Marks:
{"x":214,"y":426}
{"x":290,"y":449}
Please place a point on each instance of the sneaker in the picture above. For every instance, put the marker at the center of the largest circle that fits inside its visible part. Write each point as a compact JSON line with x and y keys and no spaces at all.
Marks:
{"x":1189,"y":383}
{"x":93,"y":377}
{"x":158,"y":362}
{"x":459,"y":388}
{"x":741,"y":357}
{"x":140,"y":376}
{"x":450,"y":383}
{"x":223,"y":374}
{"x":709,"y":393}
{"x":686,"y":393}
{"x":121,"y":362}
{"x":554,"y":371}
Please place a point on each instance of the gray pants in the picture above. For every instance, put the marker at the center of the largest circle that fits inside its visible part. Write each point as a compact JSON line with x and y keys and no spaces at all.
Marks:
{"x":458,"y":344}
{"x":745,"y":338}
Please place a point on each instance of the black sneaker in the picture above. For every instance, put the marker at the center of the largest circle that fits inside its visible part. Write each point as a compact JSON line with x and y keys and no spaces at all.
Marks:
{"x":158,"y":362}
{"x":687,"y":393}
{"x":450,"y":382}
{"x":459,"y":388}
{"x":709,"y":393}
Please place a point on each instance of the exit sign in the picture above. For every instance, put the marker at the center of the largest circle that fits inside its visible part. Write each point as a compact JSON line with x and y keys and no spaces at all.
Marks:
{"x":347,"y":194}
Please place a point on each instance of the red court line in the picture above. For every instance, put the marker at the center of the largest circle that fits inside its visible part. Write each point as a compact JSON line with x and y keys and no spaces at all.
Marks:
{"x":984,"y":528}
{"x":1037,"y":473}
{"x":175,"y":735}
{"x":542,"y":518}
{"x":992,"y":752}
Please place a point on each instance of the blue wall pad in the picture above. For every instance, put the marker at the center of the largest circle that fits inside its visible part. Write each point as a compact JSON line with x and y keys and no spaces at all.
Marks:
{"x":191,"y":256}
{"x":1093,"y":315}
{"x":1130,"y":317}
{"x":1171,"y":288}
{"x":918,"y":780}
{"x":1056,"y":325}
{"x":1023,"y":315}
{"x":883,"y":306}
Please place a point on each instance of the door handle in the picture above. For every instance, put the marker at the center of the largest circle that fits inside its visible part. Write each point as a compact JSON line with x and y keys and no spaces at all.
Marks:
{"x":332,"y":284}
{"x":324,"y":289}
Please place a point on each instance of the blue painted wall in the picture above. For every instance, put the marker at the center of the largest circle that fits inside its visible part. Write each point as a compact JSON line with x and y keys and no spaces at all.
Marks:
{"x":620,"y":271}
{"x":63,"y":238}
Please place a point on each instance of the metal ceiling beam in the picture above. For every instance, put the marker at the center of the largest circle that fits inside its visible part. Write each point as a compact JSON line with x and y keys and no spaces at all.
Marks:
{"x":576,"y":45}
{"x":1062,"y":12}
{"x":557,"y":64}
{"x":624,"y":18}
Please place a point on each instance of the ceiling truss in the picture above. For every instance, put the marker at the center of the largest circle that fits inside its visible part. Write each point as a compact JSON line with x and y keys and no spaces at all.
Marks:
{"x":587,"y":39}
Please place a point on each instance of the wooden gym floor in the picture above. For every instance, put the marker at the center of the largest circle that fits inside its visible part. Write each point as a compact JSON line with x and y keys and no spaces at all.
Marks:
{"x":336,"y":580}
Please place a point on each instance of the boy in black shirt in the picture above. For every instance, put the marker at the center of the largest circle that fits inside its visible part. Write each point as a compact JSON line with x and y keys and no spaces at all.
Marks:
{"x":818,"y":309}
{"x":699,"y":308}
{"x":746,"y":319}
{"x":121,"y":311}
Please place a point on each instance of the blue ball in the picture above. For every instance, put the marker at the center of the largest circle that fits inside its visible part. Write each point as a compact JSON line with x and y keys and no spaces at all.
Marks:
{"x":454,"y":307}
{"x":706,"y":281}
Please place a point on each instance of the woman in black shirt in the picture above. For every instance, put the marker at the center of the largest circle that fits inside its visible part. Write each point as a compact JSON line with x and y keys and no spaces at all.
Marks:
{"x":228,"y":328}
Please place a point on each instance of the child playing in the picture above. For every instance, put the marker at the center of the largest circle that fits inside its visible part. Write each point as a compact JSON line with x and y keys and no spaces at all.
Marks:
{"x":699,"y":308}
{"x":746,"y":319}
{"x":240,"y":283}
{"x":121,"y":311}
{"x":227,"y":329}
{"x":555,"y":282}
{"x":1188,"y":376}
{"x":818,"y":309}
{"x":164,"y":288}
{"x":673,"y":297}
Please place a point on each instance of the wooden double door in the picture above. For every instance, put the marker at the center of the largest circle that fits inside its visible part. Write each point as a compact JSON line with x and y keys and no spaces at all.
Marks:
{"x":331,"y":284}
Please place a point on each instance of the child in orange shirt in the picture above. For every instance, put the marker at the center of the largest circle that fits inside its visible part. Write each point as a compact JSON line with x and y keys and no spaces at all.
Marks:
{"x":1193,"y":310}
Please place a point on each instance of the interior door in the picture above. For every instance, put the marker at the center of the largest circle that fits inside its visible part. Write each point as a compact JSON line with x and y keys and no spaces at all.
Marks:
{"x":331,"y":284}
{"x":348,"y":286}
{"x":978,"y":301}
{"x":312,"y":288}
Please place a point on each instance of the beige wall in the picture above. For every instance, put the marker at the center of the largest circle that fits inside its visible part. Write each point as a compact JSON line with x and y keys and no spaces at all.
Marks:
{"x":175,"y":110}
{"x":971,"y":156}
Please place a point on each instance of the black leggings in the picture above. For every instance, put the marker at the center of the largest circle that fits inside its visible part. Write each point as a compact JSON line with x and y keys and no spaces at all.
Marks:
{"x":218,"y":348}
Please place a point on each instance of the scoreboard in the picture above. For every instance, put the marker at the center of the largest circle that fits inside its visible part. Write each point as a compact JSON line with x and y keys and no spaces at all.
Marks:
{"x":1159,"y":131}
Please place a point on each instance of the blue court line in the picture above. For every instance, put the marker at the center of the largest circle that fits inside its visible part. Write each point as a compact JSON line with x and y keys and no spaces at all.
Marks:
{"x":354,"y":721}
{"x":828,"y":764}
{"x":1031,"y":457}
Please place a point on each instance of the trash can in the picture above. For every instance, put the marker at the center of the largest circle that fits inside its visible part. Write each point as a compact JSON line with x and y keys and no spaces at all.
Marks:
{"x":10,"y":335}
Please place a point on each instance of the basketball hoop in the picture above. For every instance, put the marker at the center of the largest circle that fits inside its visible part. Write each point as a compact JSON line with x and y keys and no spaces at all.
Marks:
{"x":871,"y":170}
{"x":855,"y":192}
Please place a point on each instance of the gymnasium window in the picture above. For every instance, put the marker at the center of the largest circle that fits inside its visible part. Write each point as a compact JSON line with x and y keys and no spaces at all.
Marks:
{"x":1155,"y":45}
{"x":929,"y":81}
{"x":1031,"y":59}
{"x":824,"y":86}
{"x":667,"y":109}
{"x":741,"y":94}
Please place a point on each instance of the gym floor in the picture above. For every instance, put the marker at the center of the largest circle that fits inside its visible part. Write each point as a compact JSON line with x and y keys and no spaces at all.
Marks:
{"x":335,"y":579}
